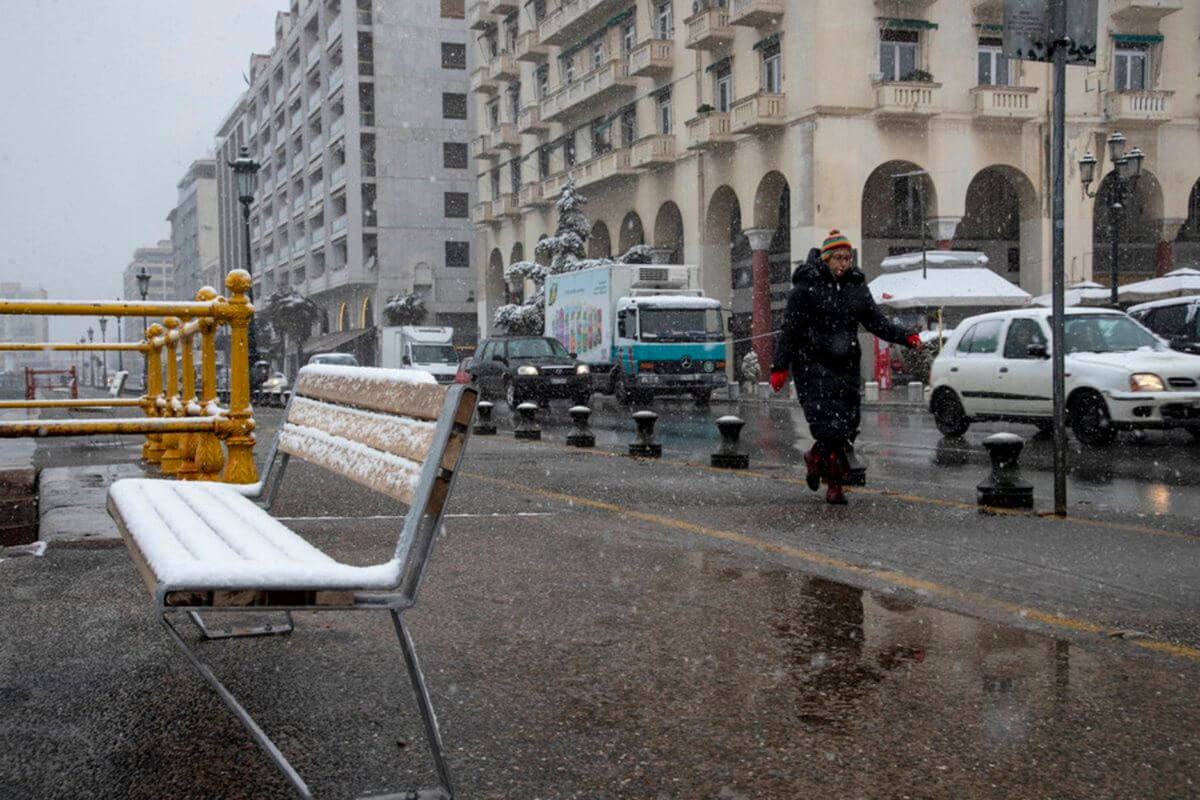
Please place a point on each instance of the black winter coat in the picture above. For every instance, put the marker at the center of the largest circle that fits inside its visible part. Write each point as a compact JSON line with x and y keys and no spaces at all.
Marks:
{"x":819,"y":342}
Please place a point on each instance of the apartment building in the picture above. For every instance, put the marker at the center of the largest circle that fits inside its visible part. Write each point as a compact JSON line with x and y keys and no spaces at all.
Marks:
{"x":194,"y":241}
{"x":24,"y":328}
{"x":359,"y":119}
{"x":159,"y":263}
{"x":733,"y":134}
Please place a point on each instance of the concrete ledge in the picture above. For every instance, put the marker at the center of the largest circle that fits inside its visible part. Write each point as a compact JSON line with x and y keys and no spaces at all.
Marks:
{"x":73,"y":503}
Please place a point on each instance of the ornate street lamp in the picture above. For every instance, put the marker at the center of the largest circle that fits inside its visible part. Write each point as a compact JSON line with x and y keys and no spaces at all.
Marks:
{"x":245,"y":173}
{"x":143,"y":284}
{"x":104,"y":353}
{"x":91,"y":358}
{"x":1127,"y":168}
{"x":120,"y":340}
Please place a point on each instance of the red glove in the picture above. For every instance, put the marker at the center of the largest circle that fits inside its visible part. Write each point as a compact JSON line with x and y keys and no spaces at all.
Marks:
{"x":913,"y":341}
{"x":778,"y":379}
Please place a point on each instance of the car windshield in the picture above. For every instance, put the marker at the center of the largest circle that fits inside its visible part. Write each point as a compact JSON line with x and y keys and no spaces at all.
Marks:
{"x":681,"y":324}
{"x":434,"y":354}
{"x":1109,"y":333}
{"x":536,"y":348}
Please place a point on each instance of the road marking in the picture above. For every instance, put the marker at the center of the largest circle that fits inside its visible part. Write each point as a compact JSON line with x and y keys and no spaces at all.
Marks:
{"x":401,"y":517}
{"x":812,"y":557}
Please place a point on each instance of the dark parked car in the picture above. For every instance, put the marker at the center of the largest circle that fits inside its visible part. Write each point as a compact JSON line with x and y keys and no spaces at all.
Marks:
{"x":1177,"y":320}
{"x":529,"y":368}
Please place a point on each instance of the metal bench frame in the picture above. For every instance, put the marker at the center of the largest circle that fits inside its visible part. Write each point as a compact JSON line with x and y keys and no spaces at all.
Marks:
{"x":421,"y":525}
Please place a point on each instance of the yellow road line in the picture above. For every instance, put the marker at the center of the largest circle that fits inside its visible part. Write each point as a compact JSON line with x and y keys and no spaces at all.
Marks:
{"x":821,"y":559}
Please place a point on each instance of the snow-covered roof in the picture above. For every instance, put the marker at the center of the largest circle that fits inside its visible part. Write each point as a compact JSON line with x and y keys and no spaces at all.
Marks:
{"x":675,"y":300}
{"x":1166,"y":301}
{"x":934,"y":258}
{"x":1176,"y":283}
{"x":1082,"y":293}
{"x":946,"y":286}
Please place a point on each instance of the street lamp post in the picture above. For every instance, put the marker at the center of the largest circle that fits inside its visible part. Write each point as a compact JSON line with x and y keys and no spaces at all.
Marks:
{"x":1127,"y":168}
{"x":120,"y":340}
{"x":104,"y":353}
{"x":143,"y":284}
{"x":91,"y":358}
{"x":245,"y":173}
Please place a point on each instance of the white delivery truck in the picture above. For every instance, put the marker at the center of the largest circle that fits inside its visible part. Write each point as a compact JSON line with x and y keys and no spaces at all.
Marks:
{"x":424,"y":347}
{"x":643,"y":329}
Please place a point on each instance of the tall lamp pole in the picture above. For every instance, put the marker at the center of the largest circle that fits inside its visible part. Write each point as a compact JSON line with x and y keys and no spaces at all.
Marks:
{"x":245,"y":173}
{"x":104,"y":353}
{"x":120,"y":340}
{"x":91,"y":358}
{"x":143,"y":284}
{"x":1127,"y":168}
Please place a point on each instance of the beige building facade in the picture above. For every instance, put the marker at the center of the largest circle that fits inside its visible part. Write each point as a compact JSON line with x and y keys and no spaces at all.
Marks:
{"x":734,"y":134}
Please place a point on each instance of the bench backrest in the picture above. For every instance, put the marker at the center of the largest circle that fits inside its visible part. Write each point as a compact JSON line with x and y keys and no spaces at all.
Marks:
{"x":395,"y":431}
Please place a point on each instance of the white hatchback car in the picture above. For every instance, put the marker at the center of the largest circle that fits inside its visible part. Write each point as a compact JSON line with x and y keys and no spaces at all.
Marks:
{"x":1118,"y":375}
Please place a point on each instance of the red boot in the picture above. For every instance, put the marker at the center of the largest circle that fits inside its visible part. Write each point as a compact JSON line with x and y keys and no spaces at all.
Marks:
{"x":812,"y":460}
{"x":834,"y":494}
{"x":838,"y":472}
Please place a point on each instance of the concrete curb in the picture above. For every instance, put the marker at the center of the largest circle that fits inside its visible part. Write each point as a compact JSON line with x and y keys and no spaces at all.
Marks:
{"x":74,"y":501}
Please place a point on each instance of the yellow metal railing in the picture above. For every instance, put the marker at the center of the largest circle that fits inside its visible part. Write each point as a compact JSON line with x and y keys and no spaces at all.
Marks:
{"x":183,"y":424}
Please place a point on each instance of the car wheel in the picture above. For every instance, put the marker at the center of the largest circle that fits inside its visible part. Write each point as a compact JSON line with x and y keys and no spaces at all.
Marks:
{"x":1090,"y":420}
{"x":511,"y":396}
{"x":948,"y":414}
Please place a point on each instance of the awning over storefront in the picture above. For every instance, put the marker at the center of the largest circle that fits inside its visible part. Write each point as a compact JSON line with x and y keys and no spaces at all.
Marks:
{"x":336,"y":341}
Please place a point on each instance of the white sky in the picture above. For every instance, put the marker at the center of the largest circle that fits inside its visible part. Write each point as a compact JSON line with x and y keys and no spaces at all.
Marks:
{"x":105,"y":104}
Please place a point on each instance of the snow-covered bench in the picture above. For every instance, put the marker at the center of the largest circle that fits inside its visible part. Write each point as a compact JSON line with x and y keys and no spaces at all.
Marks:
{"x":210,"y":546}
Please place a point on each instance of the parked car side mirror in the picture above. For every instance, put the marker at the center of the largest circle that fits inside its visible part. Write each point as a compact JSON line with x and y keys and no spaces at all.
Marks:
{"x":1038,"y":350}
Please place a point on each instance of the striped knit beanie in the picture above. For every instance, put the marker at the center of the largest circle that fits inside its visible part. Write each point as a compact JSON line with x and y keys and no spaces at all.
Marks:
{"x":833,"y":241}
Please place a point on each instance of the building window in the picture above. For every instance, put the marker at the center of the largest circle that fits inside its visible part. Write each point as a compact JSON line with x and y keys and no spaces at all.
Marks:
{"x":514,"y":101}
{"x":510,"y":33}
{"x":514,"y":176}
{"x":897,"y":54}
{"x":539,"y":9}
{"x":458,"y":254}
{"x":597,"y":54}
{"x":494,"y":179}
{"x":569,"y":149}
{"x":454,"y":106}
{"x":666,"y":118}
{"x":493,"y":114}
{"x":567,"y":68}
{"x":628,"y":37}
{"x":454,"y":55}
{"x":544,"y":162}
{"x":453,"y":9}
{"x":542,"y":76}
{"x":664,"y":23}
{"x":1131,"y":66}
{"x":455,"y":204}
{"x":454,"y":155}
{"x":723,"y":87}
{"x":601,"y":136}
{"x":772,"y":68}
{"x":628,"y":126}
{"x":993,"y":66}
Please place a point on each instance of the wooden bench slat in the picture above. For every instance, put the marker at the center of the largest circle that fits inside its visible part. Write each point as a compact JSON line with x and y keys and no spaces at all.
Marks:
{"x":400,"y":436}
{"x":392,"y":475}
{"x":408,"y":393}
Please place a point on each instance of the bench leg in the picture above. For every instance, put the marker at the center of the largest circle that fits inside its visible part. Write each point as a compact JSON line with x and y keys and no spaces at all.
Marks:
{"x":244,"y":716}
{"x":426,"y":707}
{"x":233,"y":632}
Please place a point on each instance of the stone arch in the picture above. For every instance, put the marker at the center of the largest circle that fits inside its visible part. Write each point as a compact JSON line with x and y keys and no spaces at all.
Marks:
{"x":342,"y":317}
{"x":668,"y":232}
{"x":898,"y":200}
{"x":1138,"y":224}
{"x":599,"y":245}
{"x":494,"y":279}
{"x":367,"y":314}
{"x":1002,"y":218}
{"x":517,"y":253}
{"x":727,"y":269}
{"x":631,"y":232}
{"x":324,"y":321}
{"x":1186,"y":247}
{"x":767,"y":199}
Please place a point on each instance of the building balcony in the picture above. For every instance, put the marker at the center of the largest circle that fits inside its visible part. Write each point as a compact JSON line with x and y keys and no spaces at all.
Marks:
{"x":313,"y":57}
{"x":1142,"y":107}
{"x":502,"y":7}
{"x":298,"y":162}
{"x":338,"y":226}
{"x":529,"y":120}
{"x":317,"y":237}
{"x":652,"y":57}
{"x":606,"y":167}
{"x":482,"y":214}
{"x":478,"y":16}
{"x":709,"y":29}
{"x":504,"y":68}
{"x":755,"y":13}
{"x":481,"y":147}
{"x":653,"y":151}
{"x":908,"y":99}
{"x":1000,"y":103}
{"x":316,"y":147}
{"x":896,"y":6}
{"x":530,"y":48}
{"x":481,"y":81}
{"x":337,"y":128}
{"x":506,"y":205}
{"x":337,"y":178}
{"x":758,"y":112}
{"x":1143,"y":10}
{"x":336,"y":79}
{"x":506,"y":136}
{"x":531,"y":196}
{"x":572,"y":20}
{"x":986,"y":8}
{"x":711,"y":129}
{"x":334,"y":31}
{"x":594,"y":87}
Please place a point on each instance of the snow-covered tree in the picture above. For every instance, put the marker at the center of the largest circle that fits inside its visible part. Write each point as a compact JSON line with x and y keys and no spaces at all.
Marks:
{"x":565,"y":251}
{"x":405,"y":309}
{"x":292,"y":314}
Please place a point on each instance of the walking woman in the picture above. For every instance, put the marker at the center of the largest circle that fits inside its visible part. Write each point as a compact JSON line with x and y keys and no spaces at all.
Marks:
{"x":819,"y":339}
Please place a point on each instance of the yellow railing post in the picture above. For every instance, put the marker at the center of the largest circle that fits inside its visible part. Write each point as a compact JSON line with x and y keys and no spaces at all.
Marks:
{"x":152,"y":451}
{"x":172,"y":456}
{"x":210,"y":459}
{"x":189,"y":407}
{"x":238,"y":428}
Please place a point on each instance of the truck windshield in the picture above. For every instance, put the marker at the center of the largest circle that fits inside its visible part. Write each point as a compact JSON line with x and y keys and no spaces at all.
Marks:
{"x":681,"y":324}
{"x":434,"y":354}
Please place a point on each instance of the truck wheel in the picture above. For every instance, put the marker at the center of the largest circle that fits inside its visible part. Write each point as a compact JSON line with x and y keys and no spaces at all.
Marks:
{"x":703,"y":398}
{"x":511,"y":396}
{"x":621,"y":392}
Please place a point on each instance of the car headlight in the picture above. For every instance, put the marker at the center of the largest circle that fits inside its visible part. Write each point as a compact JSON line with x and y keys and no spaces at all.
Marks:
{"x":527,"y":370}
{"x":582,"y":369}
{"x":1145,"y":382}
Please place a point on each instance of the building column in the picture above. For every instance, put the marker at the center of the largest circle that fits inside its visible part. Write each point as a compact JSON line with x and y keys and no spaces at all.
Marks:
{"x":942,"y":230}
{"x":760,"y":319}
{"x":1164,"y":252}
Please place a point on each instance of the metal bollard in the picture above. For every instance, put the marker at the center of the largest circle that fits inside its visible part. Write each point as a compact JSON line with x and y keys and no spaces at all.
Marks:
{"x":581,"y":435}
{"x":483,"y":414}
{"x":727,"y":455}
{"x":916,"y":391}
{"x":527,"y":427}
{"x":1004,"y":488}
{"x":643,"y":443}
